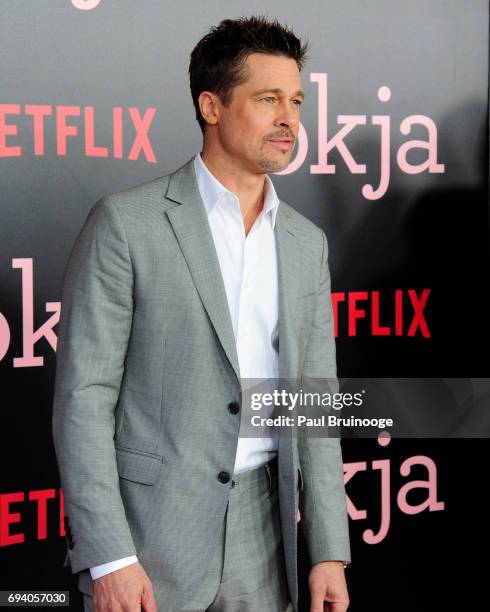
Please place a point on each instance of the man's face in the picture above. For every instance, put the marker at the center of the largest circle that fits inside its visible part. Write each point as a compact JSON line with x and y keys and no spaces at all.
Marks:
{"x":260,"y":126}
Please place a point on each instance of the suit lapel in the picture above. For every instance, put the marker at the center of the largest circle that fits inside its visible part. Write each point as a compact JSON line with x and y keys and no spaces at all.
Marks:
{"x":289,"y":274}
{"x":191,"y":227}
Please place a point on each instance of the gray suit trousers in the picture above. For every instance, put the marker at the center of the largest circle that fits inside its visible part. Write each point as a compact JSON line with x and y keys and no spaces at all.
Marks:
{"x":246,"y":571}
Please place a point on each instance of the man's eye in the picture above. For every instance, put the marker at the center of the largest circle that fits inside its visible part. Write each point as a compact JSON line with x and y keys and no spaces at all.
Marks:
{"x":269,"y":98}
{"x":298,"y":102}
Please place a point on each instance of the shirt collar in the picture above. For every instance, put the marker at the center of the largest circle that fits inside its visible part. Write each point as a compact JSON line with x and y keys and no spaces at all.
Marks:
{"x":212,"y":191}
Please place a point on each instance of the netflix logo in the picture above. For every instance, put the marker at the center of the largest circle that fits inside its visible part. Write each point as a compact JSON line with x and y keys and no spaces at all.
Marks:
{"x":48,"y":505}
{"x":360,"y":311}
{"x":76,"y":122}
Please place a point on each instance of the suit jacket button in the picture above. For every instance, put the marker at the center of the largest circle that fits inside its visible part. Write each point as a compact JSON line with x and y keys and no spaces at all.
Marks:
{"x":71,"y":544}
{"x":233,"y":407}
{"x":223,"y":477}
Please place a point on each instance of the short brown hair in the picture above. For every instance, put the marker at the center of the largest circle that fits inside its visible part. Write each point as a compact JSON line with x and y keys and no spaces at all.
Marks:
{"x":217,"y":61}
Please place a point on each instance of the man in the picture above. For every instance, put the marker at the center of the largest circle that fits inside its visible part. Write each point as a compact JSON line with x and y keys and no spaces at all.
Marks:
{"x":175,"y":291}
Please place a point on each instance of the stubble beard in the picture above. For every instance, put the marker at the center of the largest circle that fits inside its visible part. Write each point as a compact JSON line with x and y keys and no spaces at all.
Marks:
{"x":273,"y":164}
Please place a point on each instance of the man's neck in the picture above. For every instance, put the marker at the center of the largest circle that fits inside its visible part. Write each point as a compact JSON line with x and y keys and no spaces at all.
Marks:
{"x":248,"y":187}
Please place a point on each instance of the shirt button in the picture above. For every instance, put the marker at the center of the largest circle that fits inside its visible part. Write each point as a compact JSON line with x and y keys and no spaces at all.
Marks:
{"x":233,"y":407}
{"x":223,"y":477}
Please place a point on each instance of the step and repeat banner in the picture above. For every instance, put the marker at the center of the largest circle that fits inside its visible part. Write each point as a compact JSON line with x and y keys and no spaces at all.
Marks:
{"x":392,"y":163}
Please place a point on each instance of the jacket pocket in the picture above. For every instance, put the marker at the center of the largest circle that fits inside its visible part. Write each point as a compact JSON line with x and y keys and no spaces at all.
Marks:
{"x":138,"y":466}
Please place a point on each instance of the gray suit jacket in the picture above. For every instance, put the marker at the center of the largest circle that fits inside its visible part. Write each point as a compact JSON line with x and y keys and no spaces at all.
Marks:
{"x":146,"y":367}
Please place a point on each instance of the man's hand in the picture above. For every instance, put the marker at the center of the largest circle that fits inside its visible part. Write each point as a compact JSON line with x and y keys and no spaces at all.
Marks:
{"x":328,"y":587}
{"x":125,"y":590}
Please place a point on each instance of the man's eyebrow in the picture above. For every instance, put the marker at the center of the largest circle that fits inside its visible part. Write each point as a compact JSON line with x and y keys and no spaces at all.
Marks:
{"x":279,"y":91}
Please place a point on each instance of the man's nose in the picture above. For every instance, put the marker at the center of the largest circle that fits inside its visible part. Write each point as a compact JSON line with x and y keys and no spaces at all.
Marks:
{"x":288,"y":116}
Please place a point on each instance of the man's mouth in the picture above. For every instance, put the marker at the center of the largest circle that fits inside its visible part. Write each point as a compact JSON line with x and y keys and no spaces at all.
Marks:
{"x":281,"y":143}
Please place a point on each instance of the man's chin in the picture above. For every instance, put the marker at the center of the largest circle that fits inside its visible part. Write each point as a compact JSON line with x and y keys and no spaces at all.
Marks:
{"x":268,"y":164}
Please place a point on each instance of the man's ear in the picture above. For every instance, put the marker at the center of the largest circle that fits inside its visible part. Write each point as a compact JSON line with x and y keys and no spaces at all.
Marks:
{"x":209,"y":106}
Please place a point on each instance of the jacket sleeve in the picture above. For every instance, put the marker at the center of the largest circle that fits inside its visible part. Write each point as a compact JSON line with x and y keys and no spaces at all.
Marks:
{"x":322,"y":502}
{"x":94,"y":329}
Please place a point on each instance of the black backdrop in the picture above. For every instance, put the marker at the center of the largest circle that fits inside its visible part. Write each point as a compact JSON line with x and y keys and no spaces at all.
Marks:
{"x":93,"y":61}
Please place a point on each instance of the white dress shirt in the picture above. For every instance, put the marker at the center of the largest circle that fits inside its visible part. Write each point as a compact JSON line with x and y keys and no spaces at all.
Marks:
{"x":249,"y":269}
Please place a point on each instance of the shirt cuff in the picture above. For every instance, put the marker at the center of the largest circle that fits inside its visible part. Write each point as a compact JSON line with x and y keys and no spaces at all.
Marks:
{"x":106,"y":568}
